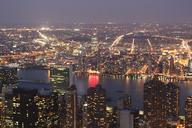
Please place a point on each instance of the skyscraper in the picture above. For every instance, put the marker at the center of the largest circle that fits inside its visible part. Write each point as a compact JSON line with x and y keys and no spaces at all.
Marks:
{"x":188,"y":112}
{"x":60,"y":78}
{"x":32,"y":110}
{"x":96,"y":107}
{"x":160,"y":103}
{"x":112,"y":117}
{"x":8,"y":76}
{"x":71,"y":107}
{"x":34,"y":103}
{"x":25,"y":110}
{"x":172,"y":100}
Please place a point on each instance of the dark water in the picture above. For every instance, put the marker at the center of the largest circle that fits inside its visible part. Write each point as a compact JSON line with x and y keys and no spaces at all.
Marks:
{"x":117,"y":87}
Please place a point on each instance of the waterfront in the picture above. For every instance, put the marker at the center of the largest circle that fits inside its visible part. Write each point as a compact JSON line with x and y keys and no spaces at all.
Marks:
{"x":134,"y":87}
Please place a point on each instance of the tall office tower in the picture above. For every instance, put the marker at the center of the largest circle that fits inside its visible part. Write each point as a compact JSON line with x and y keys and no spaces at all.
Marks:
{"x":34,"y":103}
{"x":32,"y":110}
{"x":188,"y":112}
{"x":138,"y":118}
{"x":62,"y":110}
{"x":96,"y":107}
{"x":124,"y":102}
{"x":71,"y":107}
{"x":60,"y":78}
{"x":25,"y":110}
{"x":126,"y":119}
{"x":154,"y":104}
{"x":8,"y":107}
{"x":8,"y":79}
{"x":158,"y":102}
{"x":112,"y":117}
{"x":172,"y":100}
{"x":8,"y":76}
{"x":81,"y":114}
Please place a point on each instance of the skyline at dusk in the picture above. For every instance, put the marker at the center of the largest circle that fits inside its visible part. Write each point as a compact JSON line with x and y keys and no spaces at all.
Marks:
{"x":95,"y":64}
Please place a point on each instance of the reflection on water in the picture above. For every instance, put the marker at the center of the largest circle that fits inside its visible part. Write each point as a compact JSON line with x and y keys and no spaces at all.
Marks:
{"x":117,"y":87}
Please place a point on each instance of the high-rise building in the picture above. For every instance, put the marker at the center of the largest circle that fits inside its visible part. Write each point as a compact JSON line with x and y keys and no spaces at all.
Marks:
{"x":172,"y":100}
{"x":160,"y":103}
{"x":25,"y":110}
{"x":8,"y":76}
{"x":32,"y":110}
{"x":8,"y":79}
{"x":154,"y":104}
{"x":188,"y":112}
{"x":112,"y":117}
{"x":96,"y":107}
{"x":62,"y":110}
{"x":34,"y":103}
{"x":60,"y":78}
{"x":71,"y":107}
{"x":138,"y":119}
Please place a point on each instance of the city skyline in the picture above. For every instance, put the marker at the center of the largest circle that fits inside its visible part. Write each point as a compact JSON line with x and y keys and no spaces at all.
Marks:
{"x":96,"y":64}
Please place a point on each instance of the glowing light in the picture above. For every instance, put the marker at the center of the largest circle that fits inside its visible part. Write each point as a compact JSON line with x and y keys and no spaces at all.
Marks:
{"x":93,"y":72}
{"x":132,"y":46}
{"x":118,"y":39}
{"x":93,"y":80}
{"x":149,"y":42}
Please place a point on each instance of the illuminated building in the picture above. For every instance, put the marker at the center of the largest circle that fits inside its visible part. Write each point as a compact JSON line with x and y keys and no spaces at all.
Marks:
{"x":34,"y":103}
{"x":138,"y":120}
{"x":81,"y":113}
{"x":188,"y":112}
{"x":62,"y":110}
{"x":172,"y":100}
{"x":8,"y":76}
{"x":60,"y":78}
{"x":8,"y":79}
{"x":25,"y":110}
{"x":124,"y":102}
{"x":8,"y":108}
{"x":71,"y":107}
{"x":96,"y":107}
{"x":32,"y":110}
{"x":112,"y":117}
{"x":160,"y":102}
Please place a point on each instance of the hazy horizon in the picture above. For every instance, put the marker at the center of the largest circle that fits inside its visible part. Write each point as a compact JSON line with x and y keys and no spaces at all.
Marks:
{"x":99,"y":11}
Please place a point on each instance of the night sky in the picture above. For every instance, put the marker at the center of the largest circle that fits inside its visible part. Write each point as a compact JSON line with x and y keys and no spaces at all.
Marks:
{"x":95,"y":11}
